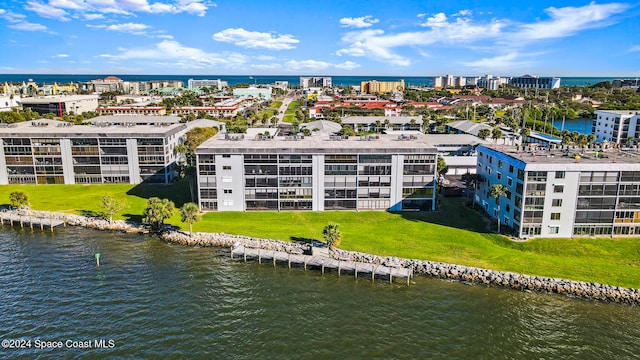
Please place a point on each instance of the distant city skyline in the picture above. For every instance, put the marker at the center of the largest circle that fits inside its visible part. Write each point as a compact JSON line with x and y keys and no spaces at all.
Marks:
{"x":576,"y":38}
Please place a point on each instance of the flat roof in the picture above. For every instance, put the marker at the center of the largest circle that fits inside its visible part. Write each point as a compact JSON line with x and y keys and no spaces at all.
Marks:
{"x":418,"y":144}
{"x":46,"y":128}
{"x":565,"y":158}
{"x":373,"y":119}
{"x":136,"y":119}
{"x":56,"y":98}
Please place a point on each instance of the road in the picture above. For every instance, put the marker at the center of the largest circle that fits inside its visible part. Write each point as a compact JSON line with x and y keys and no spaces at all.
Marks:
{"x":285,"y":105}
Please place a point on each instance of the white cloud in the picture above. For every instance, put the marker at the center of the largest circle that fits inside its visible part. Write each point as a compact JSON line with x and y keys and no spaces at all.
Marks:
{"x":27,"y":26}
{"x":569,"y":20}
{"x":316,"y":65}
{"x":164,"y":36}
{"x":61,"y":56}
{"x":266,"y":66}
{"x":131,"y":28}
{"x":347,"y":65}
{"x":462,"y":31}
{"x":19,"y":22}
{"x":47,"y":11}
{"x":437,"y":20}
{"x":359,"y":22}
{"x":93,"y":16}
{"x":175,"y":54}
{"x":634,"y":48}
{"x":89,"y":9}
{"x":255,"y":39}
{"x":463,"y":13}
{"x":507,"y":62}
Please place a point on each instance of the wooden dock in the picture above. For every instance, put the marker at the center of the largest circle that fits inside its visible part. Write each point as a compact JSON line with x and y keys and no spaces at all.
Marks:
{"x":322,"y":262}
{"x":13,"y":219}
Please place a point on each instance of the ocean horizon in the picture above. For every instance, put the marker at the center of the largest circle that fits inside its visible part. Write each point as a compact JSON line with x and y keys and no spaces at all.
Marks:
{"x":261,"y":79}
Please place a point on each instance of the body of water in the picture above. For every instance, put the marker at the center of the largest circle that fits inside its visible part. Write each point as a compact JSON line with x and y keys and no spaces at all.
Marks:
{"x":149,"y":299}
{"x":245,"y":79}
{"x":583,"y":126}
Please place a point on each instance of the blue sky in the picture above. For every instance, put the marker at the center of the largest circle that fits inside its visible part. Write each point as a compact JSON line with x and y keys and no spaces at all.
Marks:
{"x":410,"y":38}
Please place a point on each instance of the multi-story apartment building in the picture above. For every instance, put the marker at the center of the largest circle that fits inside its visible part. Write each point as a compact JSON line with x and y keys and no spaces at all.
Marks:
{"x":315,"y":82}
{"x":561,"y":193}
{"x":197,"y":83}
{"x":381,"y":87}
{"x":492,"y":82}
{"x":616,"y":125}
{"x":55,"y":152}
{"x":318,"y":172}
{"x":61,"y":104}
{"x":535,"y":82}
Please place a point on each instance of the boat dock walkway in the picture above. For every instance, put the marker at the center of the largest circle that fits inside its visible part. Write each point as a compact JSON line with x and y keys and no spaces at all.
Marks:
{"x":320,"y":259}
{"x":14,"y":219}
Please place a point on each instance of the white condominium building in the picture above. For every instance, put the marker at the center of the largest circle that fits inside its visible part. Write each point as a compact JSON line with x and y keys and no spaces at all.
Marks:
{"x":319,"y":172}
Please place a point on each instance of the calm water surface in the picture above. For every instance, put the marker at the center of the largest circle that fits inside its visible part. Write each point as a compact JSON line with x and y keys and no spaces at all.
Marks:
{"x":159,"y":300}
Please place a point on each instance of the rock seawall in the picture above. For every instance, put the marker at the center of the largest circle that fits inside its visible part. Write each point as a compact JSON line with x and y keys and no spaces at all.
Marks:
{"x":468,"y":274}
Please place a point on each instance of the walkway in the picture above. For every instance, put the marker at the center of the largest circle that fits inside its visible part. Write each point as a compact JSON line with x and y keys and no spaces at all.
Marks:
{"x":10,"y":218}
{"x":321,"y":261}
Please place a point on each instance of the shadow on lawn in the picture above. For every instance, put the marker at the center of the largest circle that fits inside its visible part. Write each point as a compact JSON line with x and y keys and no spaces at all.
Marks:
{"x":90,"y":213}
{"x":135,"y":218}
{"x":451,"y":212}
{"x":177,"y":192}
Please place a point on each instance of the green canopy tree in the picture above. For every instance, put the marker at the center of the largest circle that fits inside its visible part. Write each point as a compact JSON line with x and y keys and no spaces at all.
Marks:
{"x":484,"y":133}
{"x":18,"y":199}
{"x":190,"y":213}
{"x":442,"y":166}
{"x":157,"y":211}
{"x":497,"y":191}
{"x":332,"y":235}
{"x":496,"y":134}
{"x":110,"y":206}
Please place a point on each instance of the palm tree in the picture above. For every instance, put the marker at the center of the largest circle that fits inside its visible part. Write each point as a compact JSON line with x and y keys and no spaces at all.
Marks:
{"x":332,"y":235}
{"x":496,"y":192}
{"x":190,"y":213}
{"x":496,"y":134}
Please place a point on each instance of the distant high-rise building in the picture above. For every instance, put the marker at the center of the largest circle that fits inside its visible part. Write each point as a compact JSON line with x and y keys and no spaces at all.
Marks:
{"x":311,"y":82}
{"x":535,"y":82}
{"x":220,"y":84}
{"x":381,"y":87}
{"x":492,"y":82}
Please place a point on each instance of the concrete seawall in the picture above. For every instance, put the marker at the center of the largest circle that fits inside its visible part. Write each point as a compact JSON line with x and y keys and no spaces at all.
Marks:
{"x":467,"y":274}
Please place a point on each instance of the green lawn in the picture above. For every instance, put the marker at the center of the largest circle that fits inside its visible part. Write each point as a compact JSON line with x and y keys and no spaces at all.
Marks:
{"x":289,"y":118}
{"x":275,"y":104}
{"x":455,"y":234}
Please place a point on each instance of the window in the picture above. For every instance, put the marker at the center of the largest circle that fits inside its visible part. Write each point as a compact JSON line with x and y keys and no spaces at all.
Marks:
{"x":227,"y":202}
{"x":556,"y":202}
{"x":554,"y":229}
{"x":227,"y":179}
{"x":499,"y":176}
{"x":228,"y":191}
{"x":511,"y":168}
{"x":500,"y":164}
{"x":558,"y":188}
{"x":555,"y":216}
{"x":226,"y":167}
{"x":560,"y":174}
{"x":226,"y":155}
{"x":509,"y":181}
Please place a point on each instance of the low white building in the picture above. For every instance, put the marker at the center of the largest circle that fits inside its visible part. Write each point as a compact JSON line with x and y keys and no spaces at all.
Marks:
{"x":61,"y":104}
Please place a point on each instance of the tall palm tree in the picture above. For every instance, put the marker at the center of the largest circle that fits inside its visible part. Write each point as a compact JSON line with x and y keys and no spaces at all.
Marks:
{"x":190,"y":213}
{"x":497,"y":191}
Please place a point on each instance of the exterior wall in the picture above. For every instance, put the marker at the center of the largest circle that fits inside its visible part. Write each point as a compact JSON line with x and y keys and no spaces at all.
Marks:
{"x":230,"y":182}
{"x":288,"y":181}
{"x":254,"y":92}
{"x":89,"y":160}
{"x":562,"y":199}
{"x":616,"y":126}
